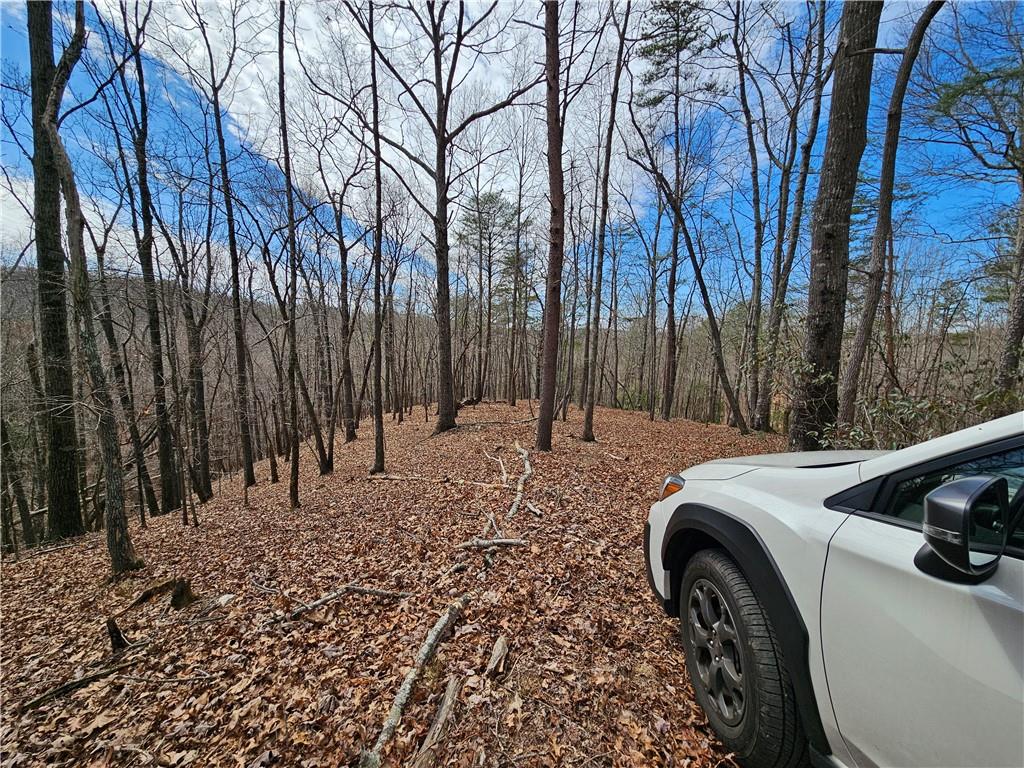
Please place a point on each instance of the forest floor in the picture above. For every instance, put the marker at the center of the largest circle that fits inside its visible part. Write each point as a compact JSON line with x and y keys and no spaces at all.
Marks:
{"x":594,"y":673}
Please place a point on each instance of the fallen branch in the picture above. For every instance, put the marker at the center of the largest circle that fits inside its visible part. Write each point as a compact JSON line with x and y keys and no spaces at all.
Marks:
{"x":439,"y":480}
{"x":74,"y":685}
{"x":264,"y":588}
{"x":488,"y":543}
{"x":467,"y":425}
{"x":492,"y":524}
{"x":501,"y":465}
{"x":345,"y":590}
{"x":426,"y":652}
{"x":427,"y":754}
{"x":527,"y":472}
{"x":530,"y":506}
{"x":48,"y":550}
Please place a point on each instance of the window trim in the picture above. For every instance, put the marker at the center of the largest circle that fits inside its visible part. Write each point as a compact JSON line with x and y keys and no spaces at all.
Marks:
{"x":883,"y":496}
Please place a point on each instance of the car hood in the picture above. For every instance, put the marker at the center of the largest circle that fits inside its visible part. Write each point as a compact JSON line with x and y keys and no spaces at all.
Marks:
{"x":725,"y":469}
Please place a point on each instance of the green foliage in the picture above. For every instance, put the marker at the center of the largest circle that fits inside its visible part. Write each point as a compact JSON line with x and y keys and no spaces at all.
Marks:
{"x":673,"y":33}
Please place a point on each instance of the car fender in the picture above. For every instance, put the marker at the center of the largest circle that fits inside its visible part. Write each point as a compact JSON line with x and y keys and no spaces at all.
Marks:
{"x":689,"y":529}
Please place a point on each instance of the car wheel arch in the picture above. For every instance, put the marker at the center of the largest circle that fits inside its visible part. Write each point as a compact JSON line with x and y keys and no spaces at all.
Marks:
{"x":694,"y":527}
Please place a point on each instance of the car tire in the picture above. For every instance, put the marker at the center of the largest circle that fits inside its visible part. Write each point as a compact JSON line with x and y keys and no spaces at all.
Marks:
{"x":736,"y":667}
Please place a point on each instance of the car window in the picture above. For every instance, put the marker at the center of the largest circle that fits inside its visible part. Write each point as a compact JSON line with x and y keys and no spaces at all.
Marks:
{"x":907,"y":500}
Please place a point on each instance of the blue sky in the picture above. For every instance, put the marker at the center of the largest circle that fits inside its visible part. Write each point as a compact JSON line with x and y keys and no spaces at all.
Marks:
{"x":946,"y":206}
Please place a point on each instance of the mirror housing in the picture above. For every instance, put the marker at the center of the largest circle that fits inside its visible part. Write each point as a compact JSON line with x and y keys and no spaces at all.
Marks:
{"x":950,"y":515}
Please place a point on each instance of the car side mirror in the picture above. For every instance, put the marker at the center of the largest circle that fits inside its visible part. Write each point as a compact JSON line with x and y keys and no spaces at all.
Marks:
{"x":965,"y":524}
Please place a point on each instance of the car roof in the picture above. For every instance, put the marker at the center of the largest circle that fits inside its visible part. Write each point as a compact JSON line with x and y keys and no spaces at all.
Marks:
{"x":989,"y":432}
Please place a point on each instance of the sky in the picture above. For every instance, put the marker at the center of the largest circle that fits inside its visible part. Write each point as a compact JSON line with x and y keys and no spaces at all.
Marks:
{"x":946,"y":205}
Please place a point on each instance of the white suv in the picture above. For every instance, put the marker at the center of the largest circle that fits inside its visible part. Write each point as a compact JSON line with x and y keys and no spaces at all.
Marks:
{"x":853,"y":608}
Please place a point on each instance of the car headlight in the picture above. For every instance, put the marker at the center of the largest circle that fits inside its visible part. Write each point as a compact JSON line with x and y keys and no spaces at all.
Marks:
{"x":671,"y":484}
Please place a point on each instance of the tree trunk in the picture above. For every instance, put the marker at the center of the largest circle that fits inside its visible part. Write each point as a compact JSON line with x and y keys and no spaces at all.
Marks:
{"x":816,"y":402}
{"x":293,"y":277}
{"x":119,"y":544}
{"x":1008,"y":377}
{"x":64,"y":513}
{"x":556,"y":229}
{"x":782,"y":266}
{"x":170,"y":496}
{"x":883,"y":221}
{"x":378,"y":235}
{"x":241,"y":368}
{"x":588,"y":415}
{"x":11,"y":476}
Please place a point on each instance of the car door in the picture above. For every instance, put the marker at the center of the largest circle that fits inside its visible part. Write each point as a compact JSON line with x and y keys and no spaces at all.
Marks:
{"x":922,"y":671}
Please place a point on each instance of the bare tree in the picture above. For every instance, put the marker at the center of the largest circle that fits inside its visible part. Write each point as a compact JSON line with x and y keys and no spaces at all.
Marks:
{"x":378,"y":236}
{"x":556,"y":236}
{"x":211,"y":82}
{"x":621,"y":29}
{"x":448,"y":41}
{"x":816,"y":402}
{"x":119,"y":543}
{"x":64,"y":514}
{"x":883,"y":221}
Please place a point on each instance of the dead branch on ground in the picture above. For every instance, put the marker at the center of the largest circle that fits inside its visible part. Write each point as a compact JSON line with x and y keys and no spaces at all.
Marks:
{"x":488,"y":543}
{"x":345,"y":590}
{"x":427,"y":754}
{"x":372,"y":759}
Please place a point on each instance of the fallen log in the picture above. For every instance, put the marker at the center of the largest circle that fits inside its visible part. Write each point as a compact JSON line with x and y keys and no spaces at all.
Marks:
{"x":372,"y":759}
{"x":488,"y":543}
{"x":427,"y":754}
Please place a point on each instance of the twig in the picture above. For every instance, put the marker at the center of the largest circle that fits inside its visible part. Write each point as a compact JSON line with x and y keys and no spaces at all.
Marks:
{"x":530,"y":506}
{"x":265,"y":589}
{"x":439,"y":480}
{"x":501,"y":465}
{"x":426,"y":652}
{"x":488,"y":543}
{"x":493,"y":524}
{"x":347,"y":589}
